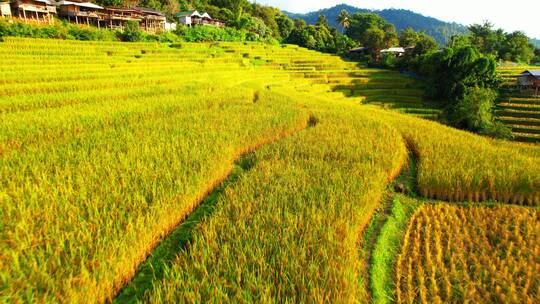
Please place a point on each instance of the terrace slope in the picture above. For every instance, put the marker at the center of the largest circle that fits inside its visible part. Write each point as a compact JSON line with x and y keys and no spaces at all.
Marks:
{"x":105,"y":147}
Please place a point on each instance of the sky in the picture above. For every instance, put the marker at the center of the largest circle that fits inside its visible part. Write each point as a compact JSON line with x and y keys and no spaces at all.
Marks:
{"x":513,"y":15}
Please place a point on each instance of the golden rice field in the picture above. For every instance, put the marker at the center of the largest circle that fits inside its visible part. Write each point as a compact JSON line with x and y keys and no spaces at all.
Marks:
{"x":470,"y":254}
{"x":106,"y":147}
{"x":517,"y":109}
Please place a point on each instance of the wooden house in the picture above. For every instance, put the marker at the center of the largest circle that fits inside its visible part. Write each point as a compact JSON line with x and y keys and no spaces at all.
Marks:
{"x":207,"y":20}
{"x":5,"y":10}
{"x":151,"y":20}
{"x":81,"y":12}
{"x":117,"y":17}
{"x":34,"y":10}
{"x":530,"y":80}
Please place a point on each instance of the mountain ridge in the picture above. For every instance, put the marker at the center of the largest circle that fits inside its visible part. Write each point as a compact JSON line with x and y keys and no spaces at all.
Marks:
{"x":401,"y":18}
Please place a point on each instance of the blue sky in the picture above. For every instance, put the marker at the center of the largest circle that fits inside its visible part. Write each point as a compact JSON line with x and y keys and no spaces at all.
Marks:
{"x":513,"y":15}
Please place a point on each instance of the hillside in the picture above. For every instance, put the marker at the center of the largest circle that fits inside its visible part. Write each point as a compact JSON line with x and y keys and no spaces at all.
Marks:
{"x":536,"y":42}
{"x":109,"y":150}
{"x":401,"y":18}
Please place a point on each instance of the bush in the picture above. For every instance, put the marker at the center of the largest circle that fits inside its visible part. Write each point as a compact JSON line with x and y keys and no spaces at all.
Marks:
{"x":474,"y":112}
{"x":132,"y":32}
{"x":59,"y":30}
{"x":209,"y":33}
{"x":388,"y":61}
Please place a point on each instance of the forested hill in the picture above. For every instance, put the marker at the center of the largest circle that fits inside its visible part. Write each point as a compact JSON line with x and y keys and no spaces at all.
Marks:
{"x":536,"y":42}
{"x":401,"y":18}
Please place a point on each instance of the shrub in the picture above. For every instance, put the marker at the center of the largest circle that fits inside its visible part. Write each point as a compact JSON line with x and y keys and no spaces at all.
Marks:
{"x":132,"y":32}
{"x":475,"y":110}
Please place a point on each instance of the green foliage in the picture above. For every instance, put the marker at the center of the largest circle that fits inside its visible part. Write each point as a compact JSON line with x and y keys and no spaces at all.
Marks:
{"x":362,"y":22}
{"x":516,"y":48}
{"x":132,"y":32}
{"x":373,"y":32}
{"x":343,"y":19}
{"x":387,"y":248}
{"x":452,"y":71}
{"x":319,"y":37}
{"x":402,"y":19}
{"x":388,"y":61}
{"x":505,"y":46}
{"x":475,"y":110}
{"x":208,"y":34}
{"x":408,"y":37}
{"x":285,"y":26}
{"x":60,"y":30}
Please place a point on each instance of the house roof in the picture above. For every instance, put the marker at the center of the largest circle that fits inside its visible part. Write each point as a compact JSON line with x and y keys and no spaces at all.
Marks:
{"x":393,"y":50}
{"x":44,"y":1}
{"x":534,"y":73}
{"x":358,"y":49}
{"x":82,"y":4}
{"x":206,"y":15}
{"x":188,"y":13}
{"x":149,"y":11}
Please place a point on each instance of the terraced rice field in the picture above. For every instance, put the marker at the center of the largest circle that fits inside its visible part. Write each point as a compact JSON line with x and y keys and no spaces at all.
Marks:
{"x":521,"y":111}
{"x":105,"y":148}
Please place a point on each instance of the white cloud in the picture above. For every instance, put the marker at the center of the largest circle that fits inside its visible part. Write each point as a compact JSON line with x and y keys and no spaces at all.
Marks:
{"x":520,"y":15}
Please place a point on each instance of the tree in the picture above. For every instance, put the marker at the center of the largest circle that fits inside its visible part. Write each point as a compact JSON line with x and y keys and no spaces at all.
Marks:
{"x":374,"y":39}
{"x":390,"y":35}
{"x":408,"y":37}
{"x":360,"y":23}
{"x":424,"y":45}
{"x":322,"y":21}
{"x":285,"y":26}
{"x":372,"y":31}
{"x":474,"y":112}
{"x":454,"y":70}
{"x":343,"y":20}
{"x":516,"y":47}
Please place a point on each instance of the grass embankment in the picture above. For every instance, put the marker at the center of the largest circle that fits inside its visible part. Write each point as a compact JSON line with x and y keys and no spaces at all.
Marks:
{"x":387,"y":248}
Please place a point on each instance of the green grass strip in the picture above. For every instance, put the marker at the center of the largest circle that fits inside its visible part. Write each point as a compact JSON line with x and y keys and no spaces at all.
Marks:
{"x":387,"y":248}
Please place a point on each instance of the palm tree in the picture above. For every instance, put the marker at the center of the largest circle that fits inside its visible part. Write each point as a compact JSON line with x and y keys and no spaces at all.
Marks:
{"x":343,"y":20}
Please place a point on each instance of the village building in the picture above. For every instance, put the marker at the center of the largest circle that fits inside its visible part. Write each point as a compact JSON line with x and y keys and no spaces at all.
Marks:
{"x":5,"y":10}
{"x":362,"y":50}
{"x":194,"y":18}
{"x":81,"y":12}
{"x":530,"y":80}
{"x":117,"y":17}
{"x":41,"y":11}
{"x":151,"y":20}
{"x":396,"y":51}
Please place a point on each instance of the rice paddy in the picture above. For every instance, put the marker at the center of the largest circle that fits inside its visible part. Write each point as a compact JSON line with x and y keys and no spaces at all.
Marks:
{"x":106,"y":147}
{"x":519,"y":110}
{"x":470,"y":254}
